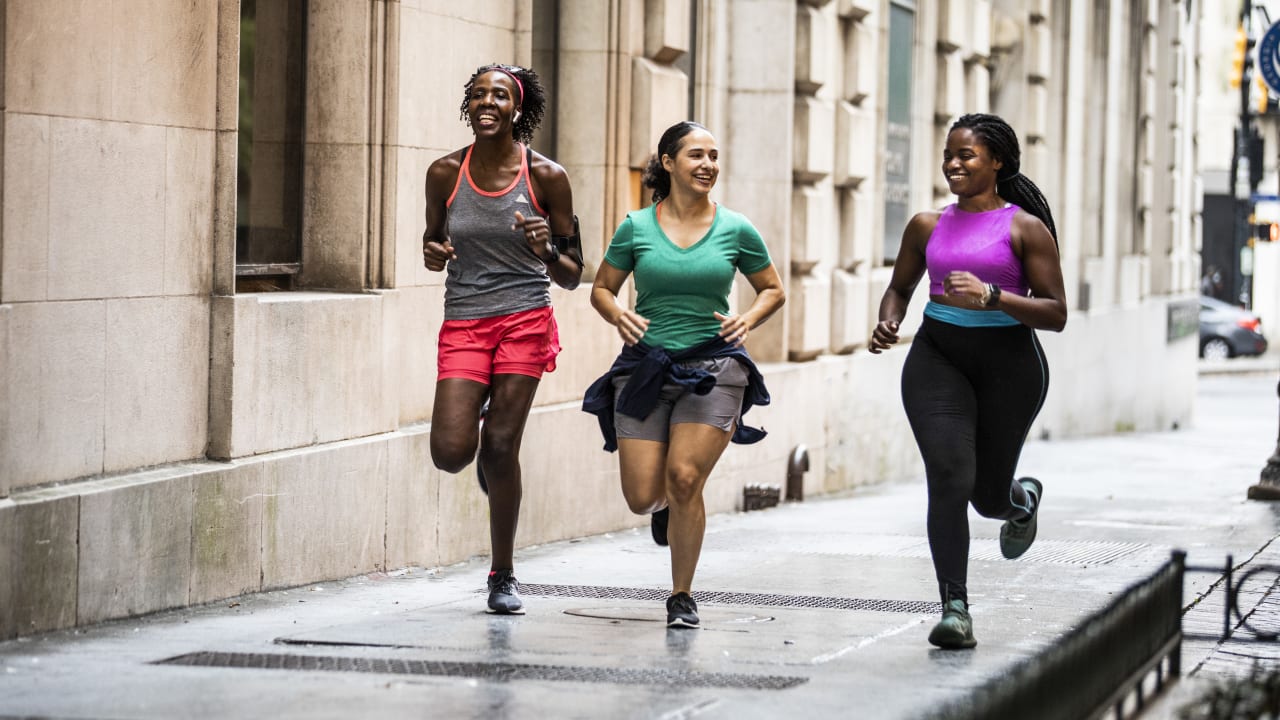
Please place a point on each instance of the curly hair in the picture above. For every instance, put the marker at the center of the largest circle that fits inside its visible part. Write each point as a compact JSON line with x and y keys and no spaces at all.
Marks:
{"x":655,"y":176}
{"x":1011,"y":184}
{"x":532,"y":100}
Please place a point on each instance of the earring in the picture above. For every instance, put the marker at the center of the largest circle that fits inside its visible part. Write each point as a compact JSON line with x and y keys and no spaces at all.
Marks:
{"x":517,"y":117}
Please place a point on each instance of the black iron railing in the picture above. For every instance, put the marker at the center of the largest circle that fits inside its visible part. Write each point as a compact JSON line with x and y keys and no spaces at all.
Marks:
{"x":1100,"y":666}
{"x":1233,"y":584}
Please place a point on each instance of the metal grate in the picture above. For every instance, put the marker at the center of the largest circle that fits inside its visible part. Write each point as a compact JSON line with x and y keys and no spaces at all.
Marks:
{"x":1062,"y":552}
{"x":597,"y":592}
{"x":497,"y":671}
{"x":1057,"y":552}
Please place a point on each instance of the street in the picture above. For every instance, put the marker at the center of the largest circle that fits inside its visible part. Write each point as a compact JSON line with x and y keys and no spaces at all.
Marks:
{"x":818,"y":608}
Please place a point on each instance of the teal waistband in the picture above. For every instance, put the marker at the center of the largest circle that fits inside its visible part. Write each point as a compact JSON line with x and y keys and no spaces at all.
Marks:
{"x":968,"y":318}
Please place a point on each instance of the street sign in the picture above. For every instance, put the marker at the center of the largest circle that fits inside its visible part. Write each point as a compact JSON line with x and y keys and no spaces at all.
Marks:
{"x":1269,"y":57}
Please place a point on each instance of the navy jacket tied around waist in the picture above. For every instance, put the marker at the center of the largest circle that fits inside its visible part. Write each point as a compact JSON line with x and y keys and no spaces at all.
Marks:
{"x":650,"y":368}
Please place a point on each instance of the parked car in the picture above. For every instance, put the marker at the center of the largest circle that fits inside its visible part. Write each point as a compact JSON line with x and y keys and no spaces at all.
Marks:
{"x":1227,"y":331}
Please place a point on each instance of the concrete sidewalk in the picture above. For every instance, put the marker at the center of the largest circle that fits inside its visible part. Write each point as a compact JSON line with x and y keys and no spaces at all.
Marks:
{"x":814,"y":608}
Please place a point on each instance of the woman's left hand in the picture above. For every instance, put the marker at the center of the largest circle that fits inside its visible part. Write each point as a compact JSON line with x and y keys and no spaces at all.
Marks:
{"x":537,"y":232}
{"x":733,"y":328}
{"x":961,"y":284}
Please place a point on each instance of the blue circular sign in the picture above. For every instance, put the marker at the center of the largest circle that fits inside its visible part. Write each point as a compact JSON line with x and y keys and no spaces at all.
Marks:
{"x":1269,"y":57}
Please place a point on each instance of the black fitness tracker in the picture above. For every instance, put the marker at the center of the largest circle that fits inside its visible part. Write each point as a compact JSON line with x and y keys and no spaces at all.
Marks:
{"x":993,"y":294}
{"x":555,"y":254}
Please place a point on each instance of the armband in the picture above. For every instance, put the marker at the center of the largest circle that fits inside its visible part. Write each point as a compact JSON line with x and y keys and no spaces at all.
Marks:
{"x":570,"y":245}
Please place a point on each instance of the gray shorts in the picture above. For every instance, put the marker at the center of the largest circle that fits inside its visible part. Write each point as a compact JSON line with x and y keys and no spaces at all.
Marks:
{"x":718,"y":408}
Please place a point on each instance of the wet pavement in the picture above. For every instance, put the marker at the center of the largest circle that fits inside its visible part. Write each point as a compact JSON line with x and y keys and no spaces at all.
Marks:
{"x":820,"y":607}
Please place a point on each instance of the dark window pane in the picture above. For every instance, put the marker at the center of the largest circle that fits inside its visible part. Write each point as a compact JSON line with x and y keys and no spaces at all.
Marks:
{"x":898,"y":141}
{"x":269,"y":172}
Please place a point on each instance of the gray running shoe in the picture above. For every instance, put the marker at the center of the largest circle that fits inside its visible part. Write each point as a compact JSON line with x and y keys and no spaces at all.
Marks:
{"x":682,"y":611}
{"x":504,"y":593}
{"x":1016,"y":536}
{"x":955,"y":630}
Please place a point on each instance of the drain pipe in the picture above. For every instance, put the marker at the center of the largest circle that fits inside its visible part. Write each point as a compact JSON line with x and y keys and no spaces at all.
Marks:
{"x":797,"y":466}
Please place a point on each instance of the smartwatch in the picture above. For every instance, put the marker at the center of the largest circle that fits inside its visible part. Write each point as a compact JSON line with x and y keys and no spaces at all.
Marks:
{"x":993,"y":294}
{"x":555,"y":254}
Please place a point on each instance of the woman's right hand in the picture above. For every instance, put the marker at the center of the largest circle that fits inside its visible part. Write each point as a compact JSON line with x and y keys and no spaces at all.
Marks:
{"x":884,"y":336}
{"x":435,"y":255}
{"x":631,"y":326}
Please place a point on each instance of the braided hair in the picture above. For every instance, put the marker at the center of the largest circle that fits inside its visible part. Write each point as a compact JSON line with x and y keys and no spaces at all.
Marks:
{"x":655,"y":176}
{"x":532,"y":100}
{"x":1011,"y":184}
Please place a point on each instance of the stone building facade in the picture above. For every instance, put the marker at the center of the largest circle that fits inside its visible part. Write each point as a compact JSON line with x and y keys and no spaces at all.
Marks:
{"x":217,"y":338}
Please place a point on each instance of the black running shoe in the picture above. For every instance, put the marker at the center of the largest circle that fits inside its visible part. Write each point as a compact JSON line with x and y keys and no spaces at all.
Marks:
{"x":658,"y":525}
{"x":504,"y":593}
{"x":682,"y":611}
{"x":484,"y":484}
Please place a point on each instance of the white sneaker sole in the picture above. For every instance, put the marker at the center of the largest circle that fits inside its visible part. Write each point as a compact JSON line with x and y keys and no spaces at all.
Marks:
{"x":491,"y":611}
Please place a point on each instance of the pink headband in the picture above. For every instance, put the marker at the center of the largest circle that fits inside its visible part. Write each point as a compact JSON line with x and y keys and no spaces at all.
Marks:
{"x":508,"y":73}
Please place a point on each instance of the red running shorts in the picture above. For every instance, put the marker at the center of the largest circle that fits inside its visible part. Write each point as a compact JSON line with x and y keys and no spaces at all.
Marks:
{"x":522,"y":343}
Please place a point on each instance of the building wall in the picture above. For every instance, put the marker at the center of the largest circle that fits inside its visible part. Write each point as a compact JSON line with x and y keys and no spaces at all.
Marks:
{"x":167,"y":440}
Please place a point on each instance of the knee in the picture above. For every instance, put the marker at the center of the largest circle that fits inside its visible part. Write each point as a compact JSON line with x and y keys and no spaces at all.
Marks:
{"x":998,"y":506}
{"x":643,"y":505}
{"x":988,"y":508}
{"x":450,"y":463}
{"x":451,"y":457}
{"x":950,"y":489}
{"x":499,"y":446}
{"x":684,"y":483}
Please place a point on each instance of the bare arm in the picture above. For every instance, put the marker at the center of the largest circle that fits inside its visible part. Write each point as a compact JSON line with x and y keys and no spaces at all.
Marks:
{"x":441,"y":177}
{"x":907,"y":271}
{"x":769,"y":297}
{"x":1046,"y":308}
{"x":604,"y":298}
{"x":551,"y":187}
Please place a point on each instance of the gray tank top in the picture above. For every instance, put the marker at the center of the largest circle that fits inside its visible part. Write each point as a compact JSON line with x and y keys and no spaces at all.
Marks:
{"x":496,"y":272}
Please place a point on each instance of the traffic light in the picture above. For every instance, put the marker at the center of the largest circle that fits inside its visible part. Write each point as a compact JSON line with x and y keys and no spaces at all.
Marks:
{"x":1255,"y":149}
{"x":1238,"y":57}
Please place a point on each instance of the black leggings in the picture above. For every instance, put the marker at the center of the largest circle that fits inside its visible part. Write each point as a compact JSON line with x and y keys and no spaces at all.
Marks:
{"x":971,"y":394}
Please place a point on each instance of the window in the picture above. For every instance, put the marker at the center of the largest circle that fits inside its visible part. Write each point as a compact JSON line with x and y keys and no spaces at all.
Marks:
{"x":269,"y":158}
{"x":687,"y":63}
{"x":897,"y":172}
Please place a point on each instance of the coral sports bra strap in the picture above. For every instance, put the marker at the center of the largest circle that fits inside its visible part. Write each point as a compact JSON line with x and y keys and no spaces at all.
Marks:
{"x":462,"y":170}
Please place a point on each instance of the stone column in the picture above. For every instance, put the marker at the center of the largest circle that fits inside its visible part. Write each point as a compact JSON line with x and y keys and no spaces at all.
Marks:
{"x":756,"y":141}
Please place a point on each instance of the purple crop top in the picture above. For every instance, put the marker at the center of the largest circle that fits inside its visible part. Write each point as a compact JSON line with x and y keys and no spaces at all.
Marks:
{"x":978,"y":243}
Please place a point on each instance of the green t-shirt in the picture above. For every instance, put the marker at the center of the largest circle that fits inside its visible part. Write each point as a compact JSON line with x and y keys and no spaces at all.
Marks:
{"x":679,"y":289}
